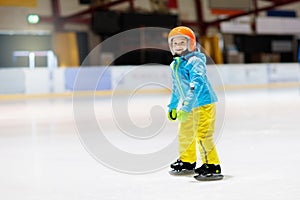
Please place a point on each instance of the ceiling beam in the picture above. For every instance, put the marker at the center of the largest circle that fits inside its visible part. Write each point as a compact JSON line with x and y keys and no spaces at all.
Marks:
{"x":205,"y":25}
{"x":78,"y":17}
{"x":94,"y":8}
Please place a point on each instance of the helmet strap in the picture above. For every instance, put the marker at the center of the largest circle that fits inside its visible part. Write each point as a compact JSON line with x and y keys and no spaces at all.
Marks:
{"x":185,"y":52}
{"x":182,"y":54}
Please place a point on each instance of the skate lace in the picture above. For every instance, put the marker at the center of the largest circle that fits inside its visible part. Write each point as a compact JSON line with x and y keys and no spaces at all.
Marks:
{"x":178,"y":162}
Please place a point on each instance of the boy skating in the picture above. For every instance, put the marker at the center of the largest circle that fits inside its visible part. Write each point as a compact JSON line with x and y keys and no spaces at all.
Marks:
{"x":197,"y":112}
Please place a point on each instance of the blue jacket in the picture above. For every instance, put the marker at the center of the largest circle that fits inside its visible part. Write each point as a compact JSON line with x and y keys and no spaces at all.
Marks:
{"x":190,"y":83}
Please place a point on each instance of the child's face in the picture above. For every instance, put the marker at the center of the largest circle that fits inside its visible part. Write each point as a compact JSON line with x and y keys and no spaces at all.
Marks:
{"x":179,"y":45}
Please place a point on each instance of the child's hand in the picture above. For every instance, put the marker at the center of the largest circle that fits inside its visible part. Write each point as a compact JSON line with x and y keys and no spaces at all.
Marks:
{"x":172,"y":115}
{"x":183,"y":115}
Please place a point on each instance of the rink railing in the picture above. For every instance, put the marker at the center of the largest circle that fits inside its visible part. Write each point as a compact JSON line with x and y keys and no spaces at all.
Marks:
{"x":40,"y":82}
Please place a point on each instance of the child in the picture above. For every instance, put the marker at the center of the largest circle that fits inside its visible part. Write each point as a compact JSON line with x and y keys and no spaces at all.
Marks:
{"x":198,"y":112}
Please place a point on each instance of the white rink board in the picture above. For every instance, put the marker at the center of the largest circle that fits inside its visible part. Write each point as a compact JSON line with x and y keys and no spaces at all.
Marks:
{"x":37,"y":81}
{"x":239,"y":74}
{"x":283,"y":72}
{"x":147,"y":77}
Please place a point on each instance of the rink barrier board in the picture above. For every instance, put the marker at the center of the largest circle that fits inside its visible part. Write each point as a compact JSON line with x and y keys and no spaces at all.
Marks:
{"x":6,"y":76}
{"x":87,"y":79}
{"x":81,"y":94}
{"x":63,"y":82}
{"x":107,"y":93}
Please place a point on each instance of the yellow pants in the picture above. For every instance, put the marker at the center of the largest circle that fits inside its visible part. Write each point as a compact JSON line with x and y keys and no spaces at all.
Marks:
{"x":199,"y":128}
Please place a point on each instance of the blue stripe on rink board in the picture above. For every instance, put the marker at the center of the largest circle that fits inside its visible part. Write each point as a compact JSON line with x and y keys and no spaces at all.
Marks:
{"x":88,"y":79}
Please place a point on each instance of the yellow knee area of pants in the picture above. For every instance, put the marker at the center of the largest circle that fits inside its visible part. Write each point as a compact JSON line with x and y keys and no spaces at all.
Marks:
{"x":187,"y":141}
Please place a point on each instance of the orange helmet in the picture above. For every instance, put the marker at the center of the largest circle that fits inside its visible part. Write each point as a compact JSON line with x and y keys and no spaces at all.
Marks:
{"x":183,"y":31}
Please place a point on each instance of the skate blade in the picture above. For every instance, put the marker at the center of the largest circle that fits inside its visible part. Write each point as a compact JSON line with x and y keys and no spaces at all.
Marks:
{"x":214,"y":177}
{"x":182,"y":172}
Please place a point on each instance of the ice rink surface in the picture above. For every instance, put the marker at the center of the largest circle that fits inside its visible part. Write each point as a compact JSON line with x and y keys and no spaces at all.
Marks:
{"x":42,"y":156}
